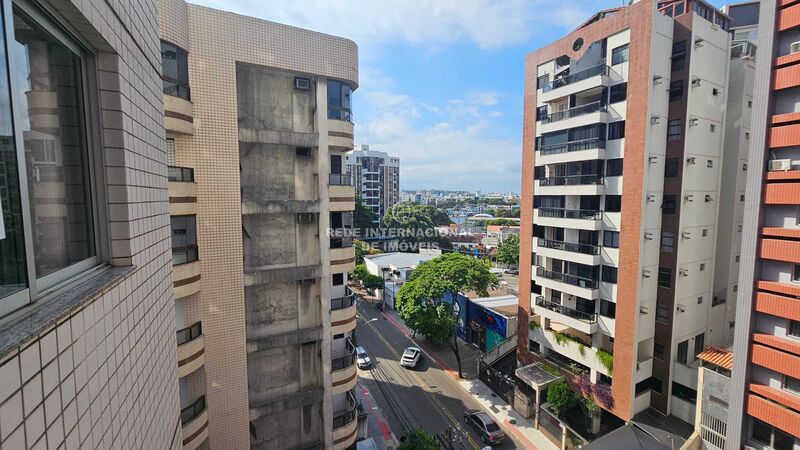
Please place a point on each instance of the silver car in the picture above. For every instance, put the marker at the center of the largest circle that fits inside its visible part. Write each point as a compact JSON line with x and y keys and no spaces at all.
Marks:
{"x":410,"y":357}
{"x":485,"y":426}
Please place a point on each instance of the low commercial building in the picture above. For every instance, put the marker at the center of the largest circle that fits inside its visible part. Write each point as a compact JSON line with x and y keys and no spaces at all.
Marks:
{"x":395,"y":268}
{"x":490,"y":321}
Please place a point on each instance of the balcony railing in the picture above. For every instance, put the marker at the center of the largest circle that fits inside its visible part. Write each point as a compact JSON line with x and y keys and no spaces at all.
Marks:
{"x":339,"y":113}
{"x":574,"y":146}
{"x":575,"y":112}
{"x":342,"y":242}
{"x":184,"y":255}
{"x":342,"y":362}
{"x":343,"y":302}
{"x":342,"y":418}
{"x":563,"y":213}
{"x":190,"y":333}
{"x":183,"y":174}
{"x":340,"y":179}
{"x":192,"y":411}
{"x":571,"y":180}
{"x":566,"y":311}
{"x":573,"y":280}
{"x":601,"y":69}
{"x":586,"y":249}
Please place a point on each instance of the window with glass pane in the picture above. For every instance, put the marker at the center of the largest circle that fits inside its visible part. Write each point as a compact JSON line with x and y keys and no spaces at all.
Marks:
{"x":667,"y":241}
{"x":339,"y":94}
{"x":619,"y":54}
{"x":791,"y":384}
{"x":699,"y":344}
{"x":55,"y":143}
{"x":678,"y":55}
{"x":184,"y":239}
{"x":611,"y":239}
{"x":675,"y":90}
{"x":175,"y":70}
{"x":794,"y":328}
{"x":618,"y":93}
{"x":674,"y":130}
{"x":683,"y":352}
{"x":665,"y":277}
{"x":662,"y":313}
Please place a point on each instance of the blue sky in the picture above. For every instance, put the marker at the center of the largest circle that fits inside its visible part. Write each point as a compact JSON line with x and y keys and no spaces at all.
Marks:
{"x":441,"y":80}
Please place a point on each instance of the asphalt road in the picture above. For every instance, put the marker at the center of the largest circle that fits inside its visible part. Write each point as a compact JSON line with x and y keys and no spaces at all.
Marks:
{"x":424,"y":397}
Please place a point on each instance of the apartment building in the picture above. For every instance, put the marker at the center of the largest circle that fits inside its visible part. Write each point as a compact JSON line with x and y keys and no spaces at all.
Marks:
{"x":87,"y":337}
{"x":258,"y":118}
{"x":622,"y":150}
{"x":377,"y":178}
{"x":764,"y":407}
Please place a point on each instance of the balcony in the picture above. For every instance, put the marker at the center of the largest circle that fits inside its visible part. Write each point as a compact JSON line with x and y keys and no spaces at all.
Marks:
{"x":591,"y":184}
{"x":345,"y":424}
{"x":587,"y":114}
{"x":583,"y":150}
{"x":573,"y":318}
{"x":576,"y":82}
{"x":343,"y":254}
{"x":341,"y":192}
{"x":182,"y":191}
{"x":553,"y":339}
{"x":343,"y":313}
{"x":570,"y":284}
{"x":191,"y":349}
{"x":586,"y":254}
{"x":178,"y":115}
{"x":340,"y":132}
{"x":185,"y":276}
{"x":343,"y":369}
{"x":194,"y":423}
{"x":580,"y":219}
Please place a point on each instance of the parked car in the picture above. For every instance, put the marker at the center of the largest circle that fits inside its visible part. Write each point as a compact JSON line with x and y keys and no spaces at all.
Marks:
{"x":512,"y":271}
{"x":486,"y":427}
{"x":362,"y":358}
{"x":410,"y":357}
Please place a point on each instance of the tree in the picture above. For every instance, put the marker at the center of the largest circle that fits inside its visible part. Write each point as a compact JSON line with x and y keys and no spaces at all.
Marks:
{"x":508,"y":250}
{"x":364,"y":219}
{"x":421,"y":299}
{"x":363,"y":248}
{"x":418,"y":439}
{"x":560,"y":397}
{"x":418,"y":223}
{"x":502,"y":222}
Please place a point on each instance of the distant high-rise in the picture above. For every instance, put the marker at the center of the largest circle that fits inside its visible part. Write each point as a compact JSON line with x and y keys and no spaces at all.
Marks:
{"x":377,"y":178}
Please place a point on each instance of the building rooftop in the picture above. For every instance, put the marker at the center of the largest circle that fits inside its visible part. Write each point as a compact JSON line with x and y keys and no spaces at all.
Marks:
{"x":505,"y":305}
{"x":400,"y":259}
{"x":636,"y":436}
{"x":717,"y":356}
{"x":535,"y":375}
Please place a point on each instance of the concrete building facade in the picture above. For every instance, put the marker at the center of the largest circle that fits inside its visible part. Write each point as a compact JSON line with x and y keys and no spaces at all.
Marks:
{"x":764,"y":407}
{"x":621,"y":262}
{"x":87,"y":337}
{"x":255,"y":120}
{"x":377,"y":178}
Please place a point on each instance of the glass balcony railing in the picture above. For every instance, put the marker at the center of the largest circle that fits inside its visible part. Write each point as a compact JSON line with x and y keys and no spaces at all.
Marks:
{"x":345,"y":417}
{"x":571,"y":180}
{"x":575,"y":112}
{"x":566,"y":311}
{"x":182,"y":174}
{"x":601,"y":69}
{"x":192,"y":411}
{"x":340,"y":179}
{"x":346,"y":360}
{"x":586,"y":249}
{"x":562,"y":213}
{"x":573,"y":146}
{"x":573,"y":280}
{"x":190,"y":333}
{"x":342,"y":242}
{"x":343,"y":302}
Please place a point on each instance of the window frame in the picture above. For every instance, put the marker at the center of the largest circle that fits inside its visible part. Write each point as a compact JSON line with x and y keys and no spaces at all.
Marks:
{"x":618,"y":93}
{"x":676,"y":86}
{"x":195,"y":246}
{"x":88,"y":94}
{"x":178,"y":82}
{"x":616,"y":130}
{"x":672,"y":125}
{"x":620,"y":49}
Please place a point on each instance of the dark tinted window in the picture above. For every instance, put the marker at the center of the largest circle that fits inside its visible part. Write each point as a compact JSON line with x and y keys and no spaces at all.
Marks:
{"x":619,"y":54}
{"x":616,"y":130}
{"x":668,"y":205}
{"x":609,"y":274}
{"x":614,"y":167}
{"x":662,"y":313}
{"x":674,"y":130}
{"x":611,"y":239}
{"x":338,"y":279}
{"x":541,"y":112}
{"x":665,"y":277}
{"x":671,"y":167}
{"x":658,"y":351}
{"x":184,"y":239}
{"x":618,"y":93}
{"x":175,"y":70}
{"x":683,"y":352}
{"x":678,"y":55}
{"x":607,"y":308}
{"x":675,"y":90}
{"x":339,"y":97}
{"x":684,"y":392}
{"x":613,"y":203}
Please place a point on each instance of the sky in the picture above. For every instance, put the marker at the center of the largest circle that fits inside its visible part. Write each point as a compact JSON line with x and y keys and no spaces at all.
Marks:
{"x":441,"y":81}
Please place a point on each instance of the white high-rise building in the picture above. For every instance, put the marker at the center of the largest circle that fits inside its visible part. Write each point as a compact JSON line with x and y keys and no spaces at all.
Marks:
{"x":376,"y":176}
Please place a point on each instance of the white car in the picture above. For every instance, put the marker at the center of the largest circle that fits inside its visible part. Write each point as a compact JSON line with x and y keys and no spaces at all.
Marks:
{"x":410,"y":357}
{"x":362,"y":359}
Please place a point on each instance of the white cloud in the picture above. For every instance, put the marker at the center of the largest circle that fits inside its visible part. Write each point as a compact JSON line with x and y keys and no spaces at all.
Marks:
{"x":487,"y":23}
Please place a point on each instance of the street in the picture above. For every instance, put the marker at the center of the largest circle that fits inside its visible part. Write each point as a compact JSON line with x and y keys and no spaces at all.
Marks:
{"x":425,"y":397}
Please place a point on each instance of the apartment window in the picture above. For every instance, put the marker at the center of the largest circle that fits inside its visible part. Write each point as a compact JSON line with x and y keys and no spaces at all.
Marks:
{"x":611,"y":239}
{"x":678,"y":55}
{"x":658,"y":351}
{"x":671,"y":167}
{"x":796,"y":273}
{"x":665,"y":277}
{"x":184,"y":239}
{"x":662,"y":313}
{"x":541,"y":112}
{"x":56,"y":241}
{"x":702,"y":266}
{"x":339,"y":98}
{"x":675,"y":90}
{"x":712,"y":128}
{"x":791,"y":384}
{"x":684,"y":392}
{"x":608,"y":309}
{"x":618,"y":93}
{"x":793,"y":329}
{"x":609,"y":274}
{"x":683,"y":352}
{"x":175,"y":70}
{"x":338,"y":279}
{"x":699,"y":344}
{"x":667,"y":241}
{"x":772,"y":437}
{"x":616,"y":130}
{"x":668,"y":204}
{"x":674,"y":130}
{"x":614,"y":167}
{"x":542,"y":81}
{"x":619,"y":55}
{"x":613,"y":203}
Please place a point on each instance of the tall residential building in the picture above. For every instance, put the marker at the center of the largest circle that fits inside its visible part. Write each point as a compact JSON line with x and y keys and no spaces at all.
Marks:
{"x":87,"y":322}
{"x":764,"y":407}
{"x":377,"y":178}
{"x":620,"y":271}
{"x":257,"y":117}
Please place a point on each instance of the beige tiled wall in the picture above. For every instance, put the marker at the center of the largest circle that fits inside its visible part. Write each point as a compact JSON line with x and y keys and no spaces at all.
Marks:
{"x":104,"y":375}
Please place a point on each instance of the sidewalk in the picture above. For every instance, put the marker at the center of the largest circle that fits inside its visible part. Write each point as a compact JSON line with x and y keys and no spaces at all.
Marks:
{"x":377,"y":427}
{"x":503,"y":414}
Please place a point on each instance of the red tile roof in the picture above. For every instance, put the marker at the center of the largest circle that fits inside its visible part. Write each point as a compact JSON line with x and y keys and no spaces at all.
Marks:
{"x":718,"y":357}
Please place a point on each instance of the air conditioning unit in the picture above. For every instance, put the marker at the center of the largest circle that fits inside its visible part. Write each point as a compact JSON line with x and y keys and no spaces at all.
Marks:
{"x":693,"y":122}
{"x":654,"y":120}
{"x":643,"y":310}
{"x":681,"y":308}
{"x":683,"y":272}
{"x":646,"y":273}
{"x":686,"y":235}
{"x":306,"y":281}
{"x":688,"y":197}
{"x":652,"y":159}
{"x":302,"y":84}
{"x":709,"y":198}
{"x":648,"y":236}
{"x":696,"y":82}
{"x":651,"y":198}
{"x":691,"y":160}
{"x":780,"y":165}
{"x":794,"y":47}
{"x":305,"y":218}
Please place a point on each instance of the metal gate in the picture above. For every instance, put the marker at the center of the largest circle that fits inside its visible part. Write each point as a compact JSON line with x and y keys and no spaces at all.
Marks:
{"x":502,"y":384}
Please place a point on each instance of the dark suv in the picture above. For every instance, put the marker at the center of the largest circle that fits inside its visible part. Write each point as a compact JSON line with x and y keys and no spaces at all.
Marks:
{"x":484,"y":425}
